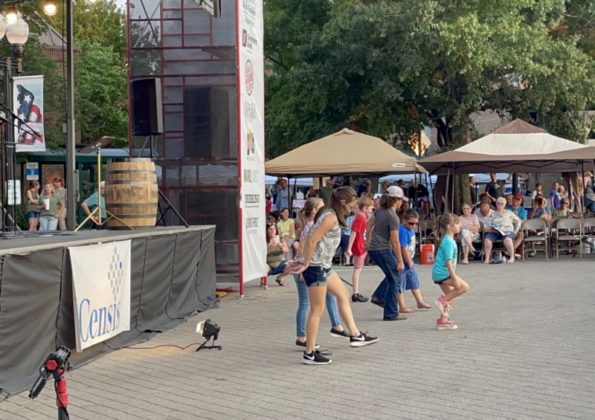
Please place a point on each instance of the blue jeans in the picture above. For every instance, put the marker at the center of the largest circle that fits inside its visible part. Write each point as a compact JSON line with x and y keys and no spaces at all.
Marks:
{"x":391,"y":284}
{"x":48,"y":223}
{"x":304,"y":307}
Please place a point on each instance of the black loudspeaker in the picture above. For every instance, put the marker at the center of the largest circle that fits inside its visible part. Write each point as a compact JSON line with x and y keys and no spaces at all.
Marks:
{"x":147,"y":112}
{"x":206,"y":123}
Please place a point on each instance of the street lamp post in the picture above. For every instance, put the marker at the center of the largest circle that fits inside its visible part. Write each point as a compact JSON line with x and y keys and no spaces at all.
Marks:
{"x":70,"y":126}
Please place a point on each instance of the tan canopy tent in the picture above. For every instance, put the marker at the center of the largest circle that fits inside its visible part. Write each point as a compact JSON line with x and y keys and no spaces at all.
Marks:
{"x":515,"y":147}
{"x":345,"y":152}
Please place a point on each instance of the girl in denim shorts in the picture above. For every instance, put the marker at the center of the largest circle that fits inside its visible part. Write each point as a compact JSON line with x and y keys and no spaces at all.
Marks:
{"x":316,"y":267}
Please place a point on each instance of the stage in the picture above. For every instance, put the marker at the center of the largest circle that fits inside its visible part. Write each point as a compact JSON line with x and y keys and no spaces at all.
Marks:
{"x":172,"y":276}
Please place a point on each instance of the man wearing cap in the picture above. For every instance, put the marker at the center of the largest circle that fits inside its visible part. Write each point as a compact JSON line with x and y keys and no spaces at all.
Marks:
{"x":382,"y":238}
{"x":517,"y":208}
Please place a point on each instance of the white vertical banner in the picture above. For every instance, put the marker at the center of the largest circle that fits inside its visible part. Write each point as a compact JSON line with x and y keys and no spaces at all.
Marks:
{"x":27,"y":99}
{"x":250,"y":45}
{"x":101,"y":291}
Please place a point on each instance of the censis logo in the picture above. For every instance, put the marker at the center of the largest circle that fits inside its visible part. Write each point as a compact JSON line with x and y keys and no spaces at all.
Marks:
{"x":95,"y":321}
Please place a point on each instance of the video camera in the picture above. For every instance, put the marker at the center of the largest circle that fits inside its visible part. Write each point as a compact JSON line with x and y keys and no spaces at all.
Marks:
{"x":56,"y":364}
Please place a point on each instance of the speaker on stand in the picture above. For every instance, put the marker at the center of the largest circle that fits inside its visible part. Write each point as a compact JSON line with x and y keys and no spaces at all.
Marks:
{"x":147,"y":120}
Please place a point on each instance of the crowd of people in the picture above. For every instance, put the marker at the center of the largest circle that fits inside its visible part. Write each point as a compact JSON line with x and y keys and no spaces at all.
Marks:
{"x":46,"y":210}
{"x":360,"y":229}
{"x":356,"y":228}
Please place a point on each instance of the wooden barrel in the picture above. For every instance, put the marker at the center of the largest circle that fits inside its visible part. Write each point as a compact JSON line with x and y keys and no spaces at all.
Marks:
{"x":131,"y":194}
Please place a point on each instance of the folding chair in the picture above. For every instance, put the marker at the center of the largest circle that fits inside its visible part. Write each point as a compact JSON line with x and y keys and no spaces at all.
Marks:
{"x":568,"y":234}
{"x":536,"y":235}
{"x":589,"y":234}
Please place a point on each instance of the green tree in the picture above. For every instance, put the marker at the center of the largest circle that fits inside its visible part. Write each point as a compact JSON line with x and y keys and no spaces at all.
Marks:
{"x":389,"y":67}
{"x":102,"y":96}
{"x":101,"y":22}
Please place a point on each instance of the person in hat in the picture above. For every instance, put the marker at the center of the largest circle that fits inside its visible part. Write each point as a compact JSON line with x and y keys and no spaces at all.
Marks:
{"x":382,"y":238}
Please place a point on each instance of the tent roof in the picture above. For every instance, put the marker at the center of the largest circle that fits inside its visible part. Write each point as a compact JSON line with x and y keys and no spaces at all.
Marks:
{"x":518,"y":126}
{"x":518,"y":147}
{"x":344,"y":152}
{"x":567,"y":161}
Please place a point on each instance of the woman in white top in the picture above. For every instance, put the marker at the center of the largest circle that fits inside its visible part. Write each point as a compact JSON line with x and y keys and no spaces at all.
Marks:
{"x":319,"y":250}
{"x":470,"y":227}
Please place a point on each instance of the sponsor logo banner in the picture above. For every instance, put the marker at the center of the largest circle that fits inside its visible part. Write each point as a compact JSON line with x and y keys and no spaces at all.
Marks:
{"x":101,"y":291}
{"x":251,"y":114}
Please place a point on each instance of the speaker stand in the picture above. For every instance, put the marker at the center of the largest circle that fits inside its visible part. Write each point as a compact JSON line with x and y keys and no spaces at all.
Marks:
{"x":163,"y":208}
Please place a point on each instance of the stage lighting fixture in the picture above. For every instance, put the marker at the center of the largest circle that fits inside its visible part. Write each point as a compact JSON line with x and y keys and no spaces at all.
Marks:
{"x":208,"y":329}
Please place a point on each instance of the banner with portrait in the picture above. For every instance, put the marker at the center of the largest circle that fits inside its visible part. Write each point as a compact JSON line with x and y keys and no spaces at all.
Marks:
{"x":27,"y":100}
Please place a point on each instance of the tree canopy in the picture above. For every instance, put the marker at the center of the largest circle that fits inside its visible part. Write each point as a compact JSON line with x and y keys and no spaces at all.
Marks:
{"x":100,"y":70}
{"x":391,"y":67}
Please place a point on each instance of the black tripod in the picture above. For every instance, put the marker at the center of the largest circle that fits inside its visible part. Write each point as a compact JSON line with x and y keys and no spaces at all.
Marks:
{"x":163,"y":204}
{"x":212,"y":346}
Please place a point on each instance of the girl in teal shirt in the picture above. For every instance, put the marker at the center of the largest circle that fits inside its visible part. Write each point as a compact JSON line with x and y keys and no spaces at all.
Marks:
{"x":443,"y":272}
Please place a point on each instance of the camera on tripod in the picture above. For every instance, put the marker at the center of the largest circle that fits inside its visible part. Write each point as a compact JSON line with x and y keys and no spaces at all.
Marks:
{"x":56,"y":365}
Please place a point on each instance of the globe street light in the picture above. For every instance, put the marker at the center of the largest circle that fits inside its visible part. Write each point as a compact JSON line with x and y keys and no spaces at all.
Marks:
{"x":17,"y":35}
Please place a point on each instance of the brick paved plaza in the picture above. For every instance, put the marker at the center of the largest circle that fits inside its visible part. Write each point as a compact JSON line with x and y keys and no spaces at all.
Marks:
{"x":525,"y":348}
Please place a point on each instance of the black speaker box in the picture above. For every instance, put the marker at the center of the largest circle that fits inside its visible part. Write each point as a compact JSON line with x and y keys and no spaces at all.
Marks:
{"x":206,"y":123}
{"x":147,"y":111}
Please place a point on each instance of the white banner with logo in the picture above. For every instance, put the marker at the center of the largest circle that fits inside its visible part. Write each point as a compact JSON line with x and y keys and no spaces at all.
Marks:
{"x":251,"y":114}
{"x":101,"y":291}
{"x":27,"y":100}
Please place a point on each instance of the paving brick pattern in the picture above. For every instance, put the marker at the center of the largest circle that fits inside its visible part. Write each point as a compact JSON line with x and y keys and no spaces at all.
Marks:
{"x":525,"y":348}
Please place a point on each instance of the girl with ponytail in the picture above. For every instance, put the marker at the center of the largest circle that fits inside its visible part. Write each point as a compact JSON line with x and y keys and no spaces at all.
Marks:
{"x":316,"y":267}
{"x":443,"y":272}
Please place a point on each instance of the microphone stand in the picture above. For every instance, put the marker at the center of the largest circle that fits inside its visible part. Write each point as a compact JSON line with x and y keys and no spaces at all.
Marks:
{"x":10,"y":215}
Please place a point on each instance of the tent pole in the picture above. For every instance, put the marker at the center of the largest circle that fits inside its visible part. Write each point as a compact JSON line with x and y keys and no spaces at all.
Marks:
{"x":414,"y":192}
{"x":433,"y":194}
{"x":583,"y":200}
{"x":454,"y":185}
{"x":446,"y":205}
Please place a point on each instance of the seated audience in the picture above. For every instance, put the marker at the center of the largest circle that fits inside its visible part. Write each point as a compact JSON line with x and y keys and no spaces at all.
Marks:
{"x":286,"y":226}
{"x":484,"y":211}
{"x":276,"y":249}
{"x":589,"y":193}
{"x":470,"y":228}
{"x":564,"y":210}
{"x":517,"y":208}
{"x":541,"y":210}
{"x":536,"y":192}
{"x":427,"y":213}
{"x":501,"y":225}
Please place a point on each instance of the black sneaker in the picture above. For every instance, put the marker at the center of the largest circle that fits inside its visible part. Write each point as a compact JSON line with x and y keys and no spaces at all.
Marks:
{"x":356,"y":297}
{"x":377,"y":302}
{"x":303,"y":344}
{"x":315,"y":358}
{"x":362,"y":340}
{"x":339,"y":334}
